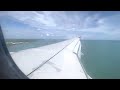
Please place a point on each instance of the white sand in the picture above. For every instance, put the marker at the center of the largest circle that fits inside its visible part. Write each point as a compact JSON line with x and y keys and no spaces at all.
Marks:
{"x":64,"y":65}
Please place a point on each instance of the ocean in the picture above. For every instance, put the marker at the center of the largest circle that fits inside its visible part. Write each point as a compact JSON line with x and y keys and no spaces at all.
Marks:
{"x":15,"y":45}
{"x":101,"y":58}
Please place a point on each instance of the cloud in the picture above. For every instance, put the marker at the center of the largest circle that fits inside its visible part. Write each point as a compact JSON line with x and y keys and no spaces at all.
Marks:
{"x":32,"y":18}
{"x":70,"y":23}
{"x":47,"y":34}
{"x":54,"y":19}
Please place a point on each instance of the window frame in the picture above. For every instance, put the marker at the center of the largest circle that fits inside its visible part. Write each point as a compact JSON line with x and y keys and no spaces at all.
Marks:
{"x":8,"y":68}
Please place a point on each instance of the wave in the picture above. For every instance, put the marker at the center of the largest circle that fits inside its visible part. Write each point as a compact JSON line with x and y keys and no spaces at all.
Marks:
{"x":12,"y":52}
{"x":14,"y":43}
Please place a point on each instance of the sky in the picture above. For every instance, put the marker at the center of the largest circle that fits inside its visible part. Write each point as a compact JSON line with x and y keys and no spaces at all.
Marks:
{"x":90,"y":25}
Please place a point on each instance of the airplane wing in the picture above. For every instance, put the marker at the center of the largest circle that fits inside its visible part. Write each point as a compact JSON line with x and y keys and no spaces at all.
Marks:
{"x":56,"y":61}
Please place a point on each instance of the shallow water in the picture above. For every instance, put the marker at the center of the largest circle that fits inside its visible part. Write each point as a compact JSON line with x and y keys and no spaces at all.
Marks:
{"x":17,"y":45}
{"x":101,"y":58}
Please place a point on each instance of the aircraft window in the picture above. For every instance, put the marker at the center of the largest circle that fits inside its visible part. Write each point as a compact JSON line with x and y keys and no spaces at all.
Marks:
{"x":63,"y":44}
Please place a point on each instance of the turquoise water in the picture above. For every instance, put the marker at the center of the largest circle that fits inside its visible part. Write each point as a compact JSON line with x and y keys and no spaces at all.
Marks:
{"x":15,"y":45}
{"x":101,"y":58}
